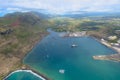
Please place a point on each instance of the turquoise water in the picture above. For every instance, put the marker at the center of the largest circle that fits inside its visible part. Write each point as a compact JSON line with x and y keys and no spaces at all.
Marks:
{"x":54,"y":58}
{"x":23,"y":75}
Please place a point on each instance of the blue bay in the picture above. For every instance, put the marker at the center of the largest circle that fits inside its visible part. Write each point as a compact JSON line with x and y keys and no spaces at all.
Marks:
{"x":57,"y":60}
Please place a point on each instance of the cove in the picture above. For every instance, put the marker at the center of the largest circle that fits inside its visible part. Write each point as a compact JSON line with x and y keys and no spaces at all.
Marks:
{"x":23,"y":75}
{"x":57,"y":60}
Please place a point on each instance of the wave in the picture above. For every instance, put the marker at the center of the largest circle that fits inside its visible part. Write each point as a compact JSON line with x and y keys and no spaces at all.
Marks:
{"x":29,"y":71}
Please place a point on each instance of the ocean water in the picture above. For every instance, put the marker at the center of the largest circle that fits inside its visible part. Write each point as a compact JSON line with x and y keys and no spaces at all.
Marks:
{"x":23,"y":75}
{"x":57,"y":60}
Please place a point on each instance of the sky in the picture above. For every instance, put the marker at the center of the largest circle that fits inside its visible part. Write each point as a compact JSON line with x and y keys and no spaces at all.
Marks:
{"x":59,"y":6}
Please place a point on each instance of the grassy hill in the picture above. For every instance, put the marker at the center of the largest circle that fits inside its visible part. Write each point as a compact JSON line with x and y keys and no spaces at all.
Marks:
{"x":26,"y":30}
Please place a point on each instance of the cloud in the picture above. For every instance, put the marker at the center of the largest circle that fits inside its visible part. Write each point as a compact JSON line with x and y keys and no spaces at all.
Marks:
{"x":14,"y":9}
{"x":62,"y":5}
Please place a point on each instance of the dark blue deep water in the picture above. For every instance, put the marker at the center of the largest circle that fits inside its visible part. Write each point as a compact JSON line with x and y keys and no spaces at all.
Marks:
{"x":56,"y":59}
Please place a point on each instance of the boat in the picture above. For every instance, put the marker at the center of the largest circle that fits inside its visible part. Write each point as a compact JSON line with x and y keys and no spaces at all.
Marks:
{"x":62,"y":71}
{"x":73,"y":45}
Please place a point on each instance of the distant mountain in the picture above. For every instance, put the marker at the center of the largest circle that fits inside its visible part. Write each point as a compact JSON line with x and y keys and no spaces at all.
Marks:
{"x":82,"y":14}
{"x":37,"y":14}
{"x":37,"y":18}
{"x":41,"y":15}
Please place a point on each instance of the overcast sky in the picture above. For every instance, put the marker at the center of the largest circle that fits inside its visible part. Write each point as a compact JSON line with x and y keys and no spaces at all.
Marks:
{"x":59,"y":6}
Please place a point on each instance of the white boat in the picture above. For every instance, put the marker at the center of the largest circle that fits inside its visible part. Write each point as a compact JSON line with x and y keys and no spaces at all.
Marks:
{"x":74,"y":45}
{"x":62,"y":71}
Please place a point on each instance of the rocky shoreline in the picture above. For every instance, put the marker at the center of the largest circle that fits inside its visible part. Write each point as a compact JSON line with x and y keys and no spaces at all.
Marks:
{"x":112,"y":57}
{"x":18,"y":61}
{"x":28,"y":69}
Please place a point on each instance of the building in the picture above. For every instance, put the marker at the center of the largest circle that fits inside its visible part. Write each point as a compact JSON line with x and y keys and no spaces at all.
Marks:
{"x":112,"y":37}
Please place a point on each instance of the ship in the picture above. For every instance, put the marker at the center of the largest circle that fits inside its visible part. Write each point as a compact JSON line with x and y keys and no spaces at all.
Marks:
{"x":73,"y":45}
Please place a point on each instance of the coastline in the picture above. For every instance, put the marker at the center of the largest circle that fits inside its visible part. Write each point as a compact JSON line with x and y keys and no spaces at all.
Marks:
{"x":20,"y":64}
{"x":30,"y":71}
{"x":27,"y":68}
{"x":112,"y":57}
{"x":46,"y":78}
{"x":75,"y":34}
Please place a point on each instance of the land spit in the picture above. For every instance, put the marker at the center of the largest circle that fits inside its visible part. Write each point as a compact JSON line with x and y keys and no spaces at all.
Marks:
{"x":113,"y":57}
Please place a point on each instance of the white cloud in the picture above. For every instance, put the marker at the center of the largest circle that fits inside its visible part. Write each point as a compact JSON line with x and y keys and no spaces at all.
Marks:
{"x":14,"y":9}
{"x":102,"y":9}
{"x":63,"y":5}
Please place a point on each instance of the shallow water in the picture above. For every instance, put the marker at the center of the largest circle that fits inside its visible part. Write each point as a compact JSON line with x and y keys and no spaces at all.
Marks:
{"x":56,"y":59}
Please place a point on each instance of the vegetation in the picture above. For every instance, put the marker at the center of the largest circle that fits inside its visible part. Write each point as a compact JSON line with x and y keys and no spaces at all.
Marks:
{"x":98,"y":27}
{"x":28,"y":28}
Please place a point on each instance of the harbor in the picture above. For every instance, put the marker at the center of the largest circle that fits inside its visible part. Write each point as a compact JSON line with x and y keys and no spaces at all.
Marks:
{"x":112,"y":57}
